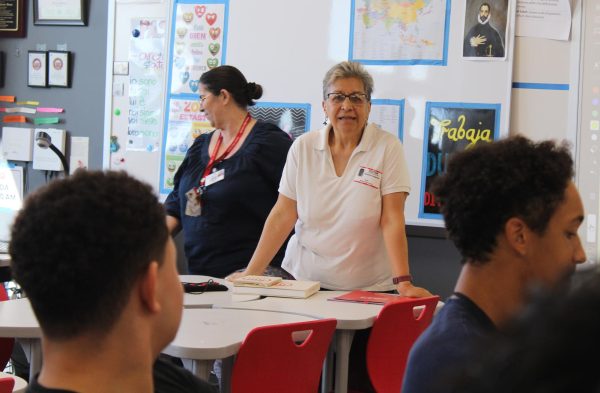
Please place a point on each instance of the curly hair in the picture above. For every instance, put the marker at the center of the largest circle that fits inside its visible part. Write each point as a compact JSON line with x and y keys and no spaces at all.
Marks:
{"x":490,"y":183}
{"x":78,"y":245}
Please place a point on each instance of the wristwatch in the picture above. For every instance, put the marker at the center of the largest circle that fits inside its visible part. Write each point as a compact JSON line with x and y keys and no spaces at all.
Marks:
{"x":398,"y":279}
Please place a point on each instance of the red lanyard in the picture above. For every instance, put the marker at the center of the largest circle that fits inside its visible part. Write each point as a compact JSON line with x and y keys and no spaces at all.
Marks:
{"x":213,"y":158}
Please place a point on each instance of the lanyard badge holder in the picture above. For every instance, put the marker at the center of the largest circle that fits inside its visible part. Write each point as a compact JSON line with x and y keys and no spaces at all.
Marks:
{"x":193,"y":206}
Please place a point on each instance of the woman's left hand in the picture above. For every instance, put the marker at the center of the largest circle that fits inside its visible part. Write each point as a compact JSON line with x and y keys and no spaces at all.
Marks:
{"x":406,"y":288}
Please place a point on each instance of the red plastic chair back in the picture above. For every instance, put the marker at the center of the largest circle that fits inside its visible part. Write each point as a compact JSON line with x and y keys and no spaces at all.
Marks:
{"x":6,"y":344}
{"x":271,"y":360}
{"x":395,"y":330}
{"x":7,"y":384}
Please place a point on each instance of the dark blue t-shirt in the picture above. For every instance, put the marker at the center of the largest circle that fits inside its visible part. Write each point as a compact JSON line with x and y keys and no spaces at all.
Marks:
{"x":445,"y":345}
{"x":223,"y":238}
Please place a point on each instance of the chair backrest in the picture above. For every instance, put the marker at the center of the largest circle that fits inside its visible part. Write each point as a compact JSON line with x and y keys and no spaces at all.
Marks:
{"x":271,"y":358}
{"x":395,"y":330}
{"x":6,"y":344}
{"x":7,"y":384}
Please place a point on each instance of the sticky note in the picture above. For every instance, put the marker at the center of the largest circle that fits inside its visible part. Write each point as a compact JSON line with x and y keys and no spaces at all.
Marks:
{"x":46,"y":120}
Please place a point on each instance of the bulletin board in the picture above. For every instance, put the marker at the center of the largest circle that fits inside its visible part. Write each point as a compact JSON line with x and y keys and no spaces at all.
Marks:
{"x":287,"y":46}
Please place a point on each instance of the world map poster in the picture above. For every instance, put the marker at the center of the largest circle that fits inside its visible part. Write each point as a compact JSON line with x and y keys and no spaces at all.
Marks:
{"x":399,"y":31}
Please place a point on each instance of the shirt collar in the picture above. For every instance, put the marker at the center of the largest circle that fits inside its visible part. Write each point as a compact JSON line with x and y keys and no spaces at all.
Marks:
{"x":363,"y":145}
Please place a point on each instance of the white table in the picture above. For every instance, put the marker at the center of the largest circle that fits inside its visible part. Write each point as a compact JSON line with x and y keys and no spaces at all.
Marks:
{"x":350,"y":317}
{"x":17,"y":320}
{"x":209,"y":334}
{"x":208,"y":299}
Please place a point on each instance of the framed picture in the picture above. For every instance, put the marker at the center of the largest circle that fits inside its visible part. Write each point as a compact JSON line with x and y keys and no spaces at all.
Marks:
{"x":12,"y":18}
{"x":37,"y":69}
{"x":59,"y":12}
{"x":59,"y":66}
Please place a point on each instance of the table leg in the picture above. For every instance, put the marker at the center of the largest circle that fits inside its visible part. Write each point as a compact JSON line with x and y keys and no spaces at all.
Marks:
{"x":326,"y":378}
{"x":343,"y":342}
{"x":226,"y":370}
{"x":33,"y":351}
{"x":200,"y":368}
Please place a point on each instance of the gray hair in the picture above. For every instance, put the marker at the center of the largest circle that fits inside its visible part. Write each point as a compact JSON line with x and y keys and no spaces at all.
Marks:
{"x":348,"y":69}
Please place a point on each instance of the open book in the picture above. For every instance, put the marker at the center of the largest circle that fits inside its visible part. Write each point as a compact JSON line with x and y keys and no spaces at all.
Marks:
{"x":284,"y":288}
{"x":368,"y":297}
{"x":256,"y":281}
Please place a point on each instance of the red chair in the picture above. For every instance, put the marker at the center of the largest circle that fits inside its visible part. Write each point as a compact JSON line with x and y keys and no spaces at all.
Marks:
{"x":6,"y":344}
{"x":395,"y":330}
{"x":7,"y":384}
{"x":271,"y":359}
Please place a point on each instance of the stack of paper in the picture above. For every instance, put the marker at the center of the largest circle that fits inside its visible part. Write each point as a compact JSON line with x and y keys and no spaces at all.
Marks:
{"x":283,"y":288}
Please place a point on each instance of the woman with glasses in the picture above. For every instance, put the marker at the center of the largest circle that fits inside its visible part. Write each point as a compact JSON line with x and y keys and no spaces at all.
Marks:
{"x":343,"y":188}
{"x":227,"y":184}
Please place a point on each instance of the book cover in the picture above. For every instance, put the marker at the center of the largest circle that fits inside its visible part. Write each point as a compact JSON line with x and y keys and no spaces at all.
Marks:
{"x":368,"y":297}
{"x":256,"y":281}
{"x":285,"y":288}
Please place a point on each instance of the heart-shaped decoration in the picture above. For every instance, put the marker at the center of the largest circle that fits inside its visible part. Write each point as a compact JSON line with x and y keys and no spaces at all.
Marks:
{"x":184,"y":76}
{"x":214,"y":47}
{"x":181,"y":32}
{"x":200,"y":10}
{"x":211,"y":18}
{"x":179,"y":47}
{"x":212,"y":63}
{"x":214,"y":32}
{"x":193,"y":85}
{"x":188,"y":17}
{"x":179,"y":62}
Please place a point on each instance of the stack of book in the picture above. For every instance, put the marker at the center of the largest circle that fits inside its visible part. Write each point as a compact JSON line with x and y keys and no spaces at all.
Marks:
{"x":275,"y":286}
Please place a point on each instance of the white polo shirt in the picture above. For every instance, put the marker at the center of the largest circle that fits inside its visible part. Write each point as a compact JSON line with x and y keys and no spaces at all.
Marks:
{"x":338,"y":239}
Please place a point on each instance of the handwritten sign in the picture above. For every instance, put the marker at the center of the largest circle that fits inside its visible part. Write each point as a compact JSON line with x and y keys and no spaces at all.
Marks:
{"x":451,"y":128}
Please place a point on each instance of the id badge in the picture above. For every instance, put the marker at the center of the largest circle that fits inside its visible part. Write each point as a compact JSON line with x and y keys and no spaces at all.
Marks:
{"x":193,"y":207}
{"x":215,"y":177}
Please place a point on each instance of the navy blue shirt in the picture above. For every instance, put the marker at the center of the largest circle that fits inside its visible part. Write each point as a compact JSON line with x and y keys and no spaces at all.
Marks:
{"x":445,"y":345}
{"x":223,"y":238}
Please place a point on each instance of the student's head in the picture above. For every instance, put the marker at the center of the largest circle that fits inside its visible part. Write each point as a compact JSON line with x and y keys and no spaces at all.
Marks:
{"x":232,"y":80}
{"x":519,"y":192}
{"x":87,"y":247}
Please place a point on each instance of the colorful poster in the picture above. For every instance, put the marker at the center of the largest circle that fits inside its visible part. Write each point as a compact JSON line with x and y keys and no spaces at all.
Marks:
{"x":291,"y":118}
{"x":198,"y":43}
{"x":451,"y":128}
{"x":404,"y":32}
{"x":185,"y":124}
{"x":146,"y":73}
{"x":388,"y":115}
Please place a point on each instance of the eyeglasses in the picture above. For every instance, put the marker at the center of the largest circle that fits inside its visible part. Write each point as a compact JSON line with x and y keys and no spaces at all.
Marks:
{"x":355,"y":98}
{"x":202,"y":98}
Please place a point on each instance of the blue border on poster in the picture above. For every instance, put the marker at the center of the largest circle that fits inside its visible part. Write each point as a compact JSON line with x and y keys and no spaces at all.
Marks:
{"x":306,"y":107}
{"x":185,"y":96}
{"x":454,"y":105}
{"x":540,"y":86}
{"x":399,"y":103}
{"x":437,"y":62}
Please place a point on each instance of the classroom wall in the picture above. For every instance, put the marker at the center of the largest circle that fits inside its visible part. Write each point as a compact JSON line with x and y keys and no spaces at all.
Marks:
{"x":435,"y":262}
{"x":84,"y":101}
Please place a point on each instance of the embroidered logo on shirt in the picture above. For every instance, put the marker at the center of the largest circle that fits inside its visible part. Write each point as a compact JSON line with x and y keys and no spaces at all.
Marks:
{"x":369,"y":177}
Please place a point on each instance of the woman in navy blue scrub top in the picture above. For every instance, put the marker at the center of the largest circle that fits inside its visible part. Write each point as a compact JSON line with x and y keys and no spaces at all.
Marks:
{"x":227,"y":184}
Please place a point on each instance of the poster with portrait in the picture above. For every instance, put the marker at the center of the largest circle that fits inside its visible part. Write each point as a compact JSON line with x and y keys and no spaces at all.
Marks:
{"x":486,"y":29}
{"x":58,"y":68}
{"x":451,"y":128}
{"x":37,"y":69}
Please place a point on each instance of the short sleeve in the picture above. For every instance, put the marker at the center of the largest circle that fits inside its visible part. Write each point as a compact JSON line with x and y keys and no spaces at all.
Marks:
{"x":287,"y":185}
{"x":395,"y":171}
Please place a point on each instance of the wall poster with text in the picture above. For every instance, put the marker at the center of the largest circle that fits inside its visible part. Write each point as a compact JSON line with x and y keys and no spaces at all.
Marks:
{"x":451,"y":128}
{"x":198,"y":44}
